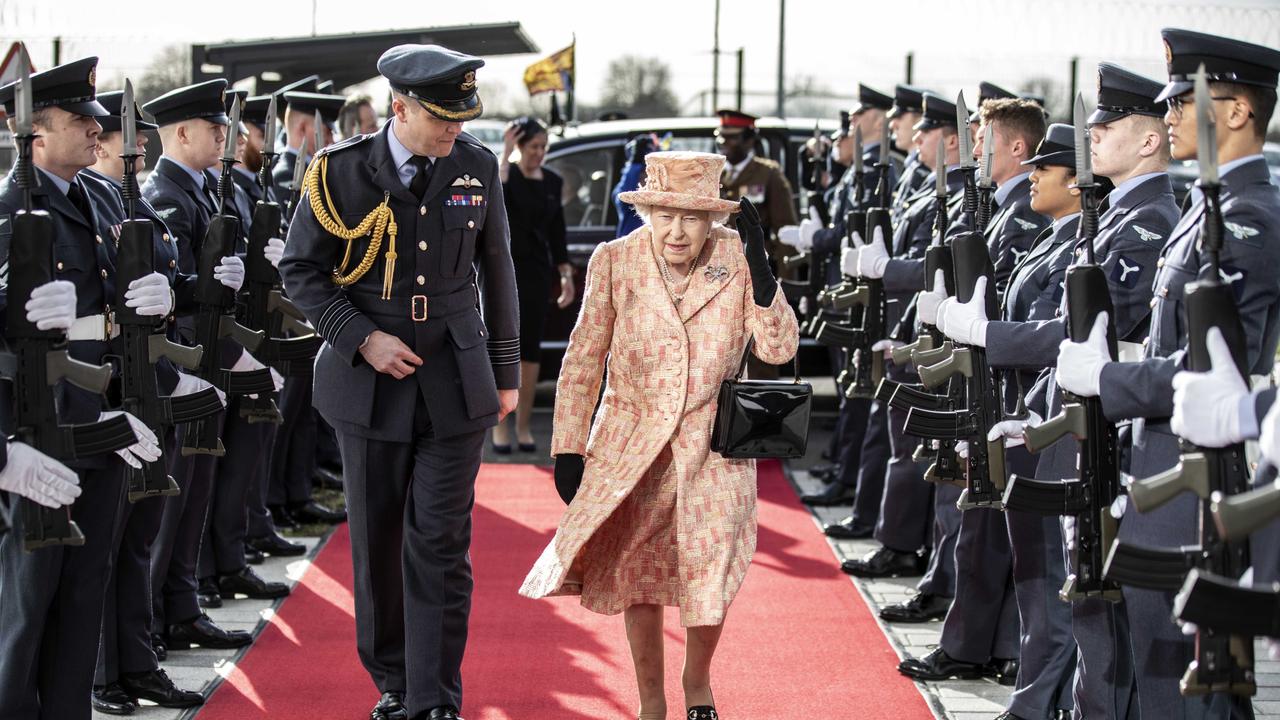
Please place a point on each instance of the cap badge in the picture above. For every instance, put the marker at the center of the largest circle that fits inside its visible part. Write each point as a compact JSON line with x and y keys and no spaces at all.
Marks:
{"x":93,"y":77}
{"x":468,"y":81}
{"x":1168,"y":53}
{"x":1099,"y":82}
{"x":223,"y":96}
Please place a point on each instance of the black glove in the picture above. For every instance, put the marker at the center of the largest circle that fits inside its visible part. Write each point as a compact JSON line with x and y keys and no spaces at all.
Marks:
{"x":568,"y":476}
{"x":763,"y":284}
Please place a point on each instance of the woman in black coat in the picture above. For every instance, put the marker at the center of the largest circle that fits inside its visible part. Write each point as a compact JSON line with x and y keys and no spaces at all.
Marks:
{"x":536,"y":217}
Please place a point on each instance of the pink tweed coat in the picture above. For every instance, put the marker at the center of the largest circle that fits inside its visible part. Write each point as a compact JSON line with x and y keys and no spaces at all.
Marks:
{"x":665,"y":363}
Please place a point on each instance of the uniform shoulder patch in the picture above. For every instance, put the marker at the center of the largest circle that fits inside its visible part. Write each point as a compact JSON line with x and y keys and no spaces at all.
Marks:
{"x":164,"y":213}
{"x":1147,"y":235}
{"x":1127,"y":271}
{"x":1240,"y":231}
{"x":345,"y":143}
{"x":1025,"y":224}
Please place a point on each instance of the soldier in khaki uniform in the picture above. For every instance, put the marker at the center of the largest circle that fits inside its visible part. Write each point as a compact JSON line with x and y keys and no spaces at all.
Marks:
{"x":756,"y":178}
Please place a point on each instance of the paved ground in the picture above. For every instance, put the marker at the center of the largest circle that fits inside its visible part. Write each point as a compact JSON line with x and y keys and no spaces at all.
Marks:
{"x":953,"y":700}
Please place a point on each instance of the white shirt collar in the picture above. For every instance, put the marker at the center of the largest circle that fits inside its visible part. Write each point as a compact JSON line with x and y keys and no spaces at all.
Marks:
{"x":1057,"y":224}
{"x":1006,"y":188}
{"x":1124,"y":188}
{"x":62,"y":185}
{"x":196,"y":175}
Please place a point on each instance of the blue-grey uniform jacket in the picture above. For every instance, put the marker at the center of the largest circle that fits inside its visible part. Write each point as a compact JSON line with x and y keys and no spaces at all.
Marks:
{"x":183,"y":205}
{"x":448,"y":244}
{"x":915,"y":232}
{"x":828,"y":242}
{"x":1013,"y":228}
{"x":910,"y":179}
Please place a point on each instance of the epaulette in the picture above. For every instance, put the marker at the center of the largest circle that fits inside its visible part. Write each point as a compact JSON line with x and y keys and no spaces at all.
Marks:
{"x":470,"y":139}
{"x":345,"y":143}
{"x":771,"y":164}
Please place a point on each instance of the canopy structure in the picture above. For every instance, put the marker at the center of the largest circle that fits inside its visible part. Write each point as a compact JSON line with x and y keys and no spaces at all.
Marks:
{"x":345,"y":59}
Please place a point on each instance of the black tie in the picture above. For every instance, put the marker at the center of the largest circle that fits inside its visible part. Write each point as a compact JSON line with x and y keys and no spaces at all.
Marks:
{"x":421,"y":178}
{"x":77,"y":198}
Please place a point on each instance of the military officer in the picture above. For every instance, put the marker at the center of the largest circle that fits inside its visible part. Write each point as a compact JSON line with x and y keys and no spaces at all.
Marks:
{"x":192,"y":122}
{"x":908,"y":106}
{"x":747,"y":174}
{"x":412,"y":373}
{"x":1243,"y":86}
{"x":299,"y":125}
{"x":51,"y":599}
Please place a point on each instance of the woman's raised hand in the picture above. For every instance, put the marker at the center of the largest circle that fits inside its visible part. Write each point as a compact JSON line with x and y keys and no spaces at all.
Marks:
{"x":763,"y":284}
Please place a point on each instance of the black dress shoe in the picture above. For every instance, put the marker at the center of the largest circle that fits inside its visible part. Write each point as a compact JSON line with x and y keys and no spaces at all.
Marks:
{"x":527,"y":447}
{"x":276,"y":546}
{"x":390,"y":707}
{"x":159,"y":646}
{"x":501,"y":449}
{"x":937,"y":665}
{"x":252,"y":556}
{"x":703,"y":712}
{"x":112,"y":700}
{"x":921,"y":608}
{"x":823,"y":472}
{"x":313,"y":512}
{"x":159,"y":689}
{"x":1004,"y":672}
{"x":327,"y":478}
{"x":203,"y":632}
{"x":1006,"y":715}
{"x":846,"y":530}
{"x":885,"y":563}
{"x":249,"y":583}
{"x":833,"y":494}
{"x":207,"y":594}
{"x":445,"y":712}
{"x":281,"y":518}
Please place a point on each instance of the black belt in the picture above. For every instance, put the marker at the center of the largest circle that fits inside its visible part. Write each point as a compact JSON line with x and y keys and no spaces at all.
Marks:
{"x":418,"y":308}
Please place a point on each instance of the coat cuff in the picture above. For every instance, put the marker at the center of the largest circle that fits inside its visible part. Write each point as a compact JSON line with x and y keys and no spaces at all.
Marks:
{"x":344,"y":327}
{"x":904,"y":276}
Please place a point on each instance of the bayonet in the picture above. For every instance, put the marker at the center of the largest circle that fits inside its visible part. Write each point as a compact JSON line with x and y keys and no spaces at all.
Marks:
{"x":857,"y":149}
{"x":226,"y":184}
{"x":318,"y":143}
{"x":1084,"y":163}
{"x":269,"y":130}
{"x":883,"y":160}
{"x":129,"y":151}
{"x":1207,"y":140}
{"x":25,"y":172}
{"x":965,"y":137}
{"x":940,"y":173}
{"x":988,"y":152}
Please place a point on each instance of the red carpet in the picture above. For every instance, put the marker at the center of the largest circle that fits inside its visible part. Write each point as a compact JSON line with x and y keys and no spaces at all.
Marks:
{"x":799,"y":642}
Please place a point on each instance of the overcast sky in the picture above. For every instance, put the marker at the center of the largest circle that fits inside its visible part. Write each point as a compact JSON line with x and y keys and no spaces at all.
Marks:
{"x":836,"y":43}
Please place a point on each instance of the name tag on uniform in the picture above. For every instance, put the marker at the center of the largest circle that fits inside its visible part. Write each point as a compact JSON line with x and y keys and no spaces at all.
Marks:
{"x":465,"y":201}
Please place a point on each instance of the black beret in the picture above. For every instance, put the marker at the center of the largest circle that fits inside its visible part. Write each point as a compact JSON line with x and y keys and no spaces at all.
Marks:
{"x":1224,"y":60}
{"x":907,"y":99}
{"x":871,"y":99}
{"x":1122,"y":93}
{"x":112,"y":122}
{"x":309,"y":103}
{"x":442,"y":80}
{"x":1057,"y":148}
{"x":937,"y":113}
{"x":72,"y":87}
{"x":206,"y":100}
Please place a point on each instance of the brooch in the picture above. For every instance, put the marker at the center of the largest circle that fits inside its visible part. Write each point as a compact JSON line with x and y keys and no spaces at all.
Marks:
{"x":715,"y":273}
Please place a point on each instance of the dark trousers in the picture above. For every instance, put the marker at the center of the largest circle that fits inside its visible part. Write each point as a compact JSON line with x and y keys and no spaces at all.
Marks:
{"x":1104,"y":686}
{"x":409,"y":507}
{"x":51,"y":608}
{"x":940,"y":575}
{"x":126,"y":646}
{"x":260,"y":523}
{"x":1047,"y":648}
{"x":222,"y":553}
{"x":983,"y":621}
{"x":176,"y":551}
{"x":293,"y":454}
{"x":905,"y":508}
{"x":864,"y":468}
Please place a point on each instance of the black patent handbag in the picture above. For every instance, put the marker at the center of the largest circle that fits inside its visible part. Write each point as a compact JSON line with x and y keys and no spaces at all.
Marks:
{"x":762,"y":418}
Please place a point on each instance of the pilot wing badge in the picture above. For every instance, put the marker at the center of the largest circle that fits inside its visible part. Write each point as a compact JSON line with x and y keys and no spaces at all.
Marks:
{"x":467,"y":182}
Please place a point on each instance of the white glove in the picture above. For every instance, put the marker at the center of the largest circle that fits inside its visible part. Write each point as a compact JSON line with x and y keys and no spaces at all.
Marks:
{"x":274,"y":251}
{"x":789,"y":235}
{"x":872,"y":257}
{"x":1069,"y":531}
{"x":962,"y":449}
{"x":886,"y":346}
{"x":230,"y":272}
{"x":808,"y":228}
{"x":1080,"y":364}
{"x":150,"y":295}
{"x":52,"y":306}
{"x":1013,"y":430}
{"x":966,"y":323}
{"x":190,"y":385}
{"x":927,"y":304}
{"x":1269,"y":439}
{"x":276,"y":379}
{"x":38,"y":477}
{"x":849,"y":261}
{"x":1273,"y":649}
{"x":1206,"y":404}
{"x":804,"y":305}
{"x":147,"y":447}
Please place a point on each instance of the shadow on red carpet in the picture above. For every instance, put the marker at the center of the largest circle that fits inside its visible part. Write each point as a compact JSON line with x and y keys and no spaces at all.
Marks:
{"x":799,"y":641}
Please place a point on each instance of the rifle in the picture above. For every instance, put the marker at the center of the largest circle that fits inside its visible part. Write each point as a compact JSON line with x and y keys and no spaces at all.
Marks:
{"x":264,"y":306}
{"x":214,"y":318}
{"x":37,"y":359}
{"x":1088,"y":498}
{"x":1212,"y":601}
{"x":143,"y":347}
{"x":1238,"y":515}
{"x":299,"y":169}
{"x":1223,"y":662}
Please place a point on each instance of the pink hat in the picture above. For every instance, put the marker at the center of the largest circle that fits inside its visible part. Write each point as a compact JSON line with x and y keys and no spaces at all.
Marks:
{"x":685,"y":180}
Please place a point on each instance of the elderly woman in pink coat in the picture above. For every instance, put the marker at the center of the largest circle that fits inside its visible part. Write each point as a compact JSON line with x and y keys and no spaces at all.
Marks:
{"x":655,"y":518}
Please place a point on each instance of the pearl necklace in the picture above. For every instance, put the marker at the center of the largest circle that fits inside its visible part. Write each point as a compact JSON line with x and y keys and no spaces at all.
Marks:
{"x":670,"y":282}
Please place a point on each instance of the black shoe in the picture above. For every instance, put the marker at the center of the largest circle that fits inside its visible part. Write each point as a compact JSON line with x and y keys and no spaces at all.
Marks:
{"x":203,"y":632}
{"x":445,"y":712}
{"x":503,"y":449}
{"x":159,"y":689}
{"x":112,"y":700}
{"x":276,"y":546}
{"x":249,"y":583}
{"x":528,"y":447}
{"x":703,"y":712}
{"x":159,"y":647}
{"x":313,"y":512}
{"x":937,"y":665}
{"x":252,"y":556}
{"x":282,"y":519}
{"x":921,"y":608}
{"x":390,"y":707}
{"x":846,"y":530}
{"x":327,"y":478}
{"x":207,"y":594}
{"x":824,"y":472}
{"x":1004,"y":672}
{"x":833,"y":494}
{"x":1006,"y":715}
{"x":885,"y":563}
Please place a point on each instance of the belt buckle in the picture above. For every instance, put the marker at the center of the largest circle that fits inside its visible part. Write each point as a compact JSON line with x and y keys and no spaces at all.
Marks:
{"x":109,"y":328}
{"x":419,"y":300}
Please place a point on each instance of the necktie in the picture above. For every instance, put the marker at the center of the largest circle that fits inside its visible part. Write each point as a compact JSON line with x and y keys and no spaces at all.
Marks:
{"x":77,"y":198}
{"x":421,"y":178}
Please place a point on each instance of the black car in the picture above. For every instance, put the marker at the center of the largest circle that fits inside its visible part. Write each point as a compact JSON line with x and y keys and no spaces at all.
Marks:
{"x":590,"y":159}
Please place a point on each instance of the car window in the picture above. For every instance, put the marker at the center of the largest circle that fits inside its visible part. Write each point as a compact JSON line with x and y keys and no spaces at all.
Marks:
{"x":589,"y":177}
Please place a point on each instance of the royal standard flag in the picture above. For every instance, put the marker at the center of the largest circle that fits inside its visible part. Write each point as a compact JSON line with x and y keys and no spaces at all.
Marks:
{"x":551,"y":74}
